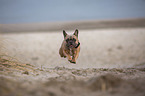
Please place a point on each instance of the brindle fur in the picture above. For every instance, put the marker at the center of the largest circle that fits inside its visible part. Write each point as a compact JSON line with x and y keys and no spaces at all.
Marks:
{"x":71,"y":53}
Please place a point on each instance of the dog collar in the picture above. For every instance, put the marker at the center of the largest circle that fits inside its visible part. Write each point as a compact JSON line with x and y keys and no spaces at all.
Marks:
{"x":78,"y":45}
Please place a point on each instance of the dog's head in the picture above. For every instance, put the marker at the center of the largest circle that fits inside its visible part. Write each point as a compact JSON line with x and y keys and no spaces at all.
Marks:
{"x":71,"y":40}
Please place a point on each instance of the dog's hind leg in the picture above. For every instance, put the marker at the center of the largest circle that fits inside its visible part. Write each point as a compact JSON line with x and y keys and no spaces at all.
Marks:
{"x":61,"y":53}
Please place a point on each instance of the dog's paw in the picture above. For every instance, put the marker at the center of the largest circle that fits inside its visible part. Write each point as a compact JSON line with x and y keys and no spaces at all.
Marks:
{"x":69,"y":60}
{"x":72,"y":62}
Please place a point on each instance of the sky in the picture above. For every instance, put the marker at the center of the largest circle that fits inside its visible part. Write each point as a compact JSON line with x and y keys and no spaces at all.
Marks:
{"x":32,"y":11}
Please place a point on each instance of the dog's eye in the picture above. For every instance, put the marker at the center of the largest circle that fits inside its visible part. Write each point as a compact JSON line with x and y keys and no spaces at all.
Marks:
{"x":67,"y":40}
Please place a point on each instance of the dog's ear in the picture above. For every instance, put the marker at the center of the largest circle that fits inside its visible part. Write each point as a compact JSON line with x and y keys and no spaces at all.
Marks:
{"x":76,"y":32}
{"x":64,"y":33}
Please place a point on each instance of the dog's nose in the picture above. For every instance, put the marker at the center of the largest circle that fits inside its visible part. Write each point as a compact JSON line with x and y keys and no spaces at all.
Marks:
{"x":71,"y":43}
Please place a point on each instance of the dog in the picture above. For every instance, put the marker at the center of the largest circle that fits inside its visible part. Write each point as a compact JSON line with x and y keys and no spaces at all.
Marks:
{"x":70,"y":47}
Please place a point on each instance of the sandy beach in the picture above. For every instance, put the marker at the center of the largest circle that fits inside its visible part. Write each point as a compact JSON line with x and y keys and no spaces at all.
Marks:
{"x":111,"y":48}
{"x":111,"y":63}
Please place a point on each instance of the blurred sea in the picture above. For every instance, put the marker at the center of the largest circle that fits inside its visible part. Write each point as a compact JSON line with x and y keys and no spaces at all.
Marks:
{"x":28,"y":11}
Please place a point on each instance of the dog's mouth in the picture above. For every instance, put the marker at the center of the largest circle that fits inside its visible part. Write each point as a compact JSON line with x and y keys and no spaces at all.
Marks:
{"x":74,"y":45}
{"x":71,"y":46}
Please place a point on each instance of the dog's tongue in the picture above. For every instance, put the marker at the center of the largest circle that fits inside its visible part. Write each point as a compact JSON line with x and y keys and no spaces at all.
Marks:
{"x":71,"y":46}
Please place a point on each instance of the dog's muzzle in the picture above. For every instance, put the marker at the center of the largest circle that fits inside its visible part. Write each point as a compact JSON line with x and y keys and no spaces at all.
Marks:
{"x":73,"y":46}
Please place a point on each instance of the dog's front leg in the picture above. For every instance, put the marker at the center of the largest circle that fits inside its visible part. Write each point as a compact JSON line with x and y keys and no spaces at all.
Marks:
{"x":67,"y":55}
{"x":75,"y":57}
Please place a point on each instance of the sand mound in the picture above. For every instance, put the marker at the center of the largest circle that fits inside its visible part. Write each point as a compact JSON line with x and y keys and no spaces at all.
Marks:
{"x":105,"y":82}
{"x":24,"y":79}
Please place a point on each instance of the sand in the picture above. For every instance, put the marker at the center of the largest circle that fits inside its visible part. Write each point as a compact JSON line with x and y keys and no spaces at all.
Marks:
{"x":111,"y":48}
{"x":111,"y":63}
{"x":62,"y":81}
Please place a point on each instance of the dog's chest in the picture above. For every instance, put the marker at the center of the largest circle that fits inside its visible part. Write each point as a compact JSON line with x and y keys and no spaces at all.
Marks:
{"x":71,"y":52}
